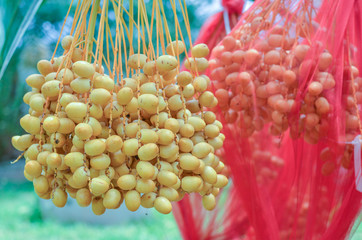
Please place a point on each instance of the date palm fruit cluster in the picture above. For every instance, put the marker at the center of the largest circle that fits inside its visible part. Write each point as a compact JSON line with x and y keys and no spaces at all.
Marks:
{"x":144,"y":140}
{"x":267,"y":74}
{"x":257,"y":72}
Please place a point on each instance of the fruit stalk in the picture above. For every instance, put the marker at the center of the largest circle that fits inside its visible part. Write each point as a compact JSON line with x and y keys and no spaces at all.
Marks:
{"x":92,"y":26}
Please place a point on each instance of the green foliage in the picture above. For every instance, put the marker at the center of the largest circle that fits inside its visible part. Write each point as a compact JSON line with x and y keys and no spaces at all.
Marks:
{"x":21,"y":218}
{"x":15,"y":18}
{"x":15,"y":27}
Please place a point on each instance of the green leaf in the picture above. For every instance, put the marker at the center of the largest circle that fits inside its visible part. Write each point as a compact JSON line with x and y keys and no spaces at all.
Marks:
{"x":20,"y":24}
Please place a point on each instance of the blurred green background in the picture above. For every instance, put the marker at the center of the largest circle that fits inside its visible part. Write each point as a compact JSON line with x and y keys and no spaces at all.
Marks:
{"x":22,"y":214}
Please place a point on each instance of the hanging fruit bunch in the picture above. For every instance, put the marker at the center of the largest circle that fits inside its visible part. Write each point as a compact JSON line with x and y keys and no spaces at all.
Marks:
{"x":120,"y":121}
{"x":272,"y":73}
{"x":261,"y":67}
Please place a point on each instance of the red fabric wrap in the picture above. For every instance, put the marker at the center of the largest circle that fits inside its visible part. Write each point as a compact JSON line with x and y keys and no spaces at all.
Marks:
{"x":233,"y":6}
{"x":291,"y":180}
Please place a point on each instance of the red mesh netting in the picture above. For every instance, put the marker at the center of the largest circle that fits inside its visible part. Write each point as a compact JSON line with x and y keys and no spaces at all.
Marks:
{"x":289,"y":88}
{"x":195,"y":222}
